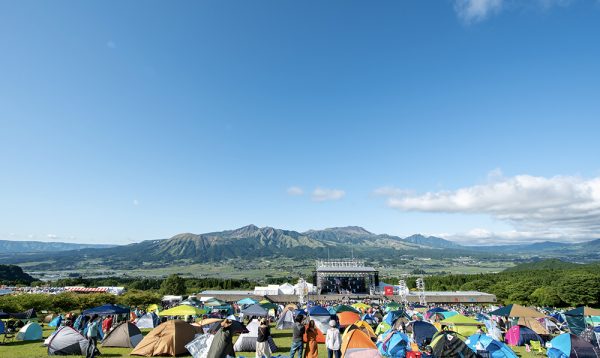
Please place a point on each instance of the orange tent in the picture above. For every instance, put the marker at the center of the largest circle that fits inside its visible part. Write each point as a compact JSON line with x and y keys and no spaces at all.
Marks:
{"x":357,"y":344}
{"x":363,"y":326}
{"x":347,"y":318}
{"x":167,"y":338}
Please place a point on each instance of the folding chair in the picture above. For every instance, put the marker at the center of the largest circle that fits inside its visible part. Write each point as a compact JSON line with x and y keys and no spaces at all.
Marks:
{"x":536,"y":346}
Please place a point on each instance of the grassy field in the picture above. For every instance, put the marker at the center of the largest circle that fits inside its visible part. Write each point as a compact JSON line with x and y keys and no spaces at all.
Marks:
{"x":18,"y":349}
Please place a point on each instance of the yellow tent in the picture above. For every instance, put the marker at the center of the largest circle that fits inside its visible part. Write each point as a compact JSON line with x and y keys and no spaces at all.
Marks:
{"x":363,"y":326}
{"x":361,"y":306}
{"x":182,"y":310}
{"x":153,"y":307}
{"x":462,"y":324}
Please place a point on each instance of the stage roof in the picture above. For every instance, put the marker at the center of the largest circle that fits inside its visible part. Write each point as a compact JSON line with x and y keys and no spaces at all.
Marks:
{"x":346,"y":269}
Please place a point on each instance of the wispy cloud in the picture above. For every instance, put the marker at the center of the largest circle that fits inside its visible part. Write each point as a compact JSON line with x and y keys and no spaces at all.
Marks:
{"x":476,"y":10}
{"x":295,"y":191}
{"x":136,"y":202}
{"x":556,"y":207}
{"x":473,"y":11}
{"x":323,"y":194}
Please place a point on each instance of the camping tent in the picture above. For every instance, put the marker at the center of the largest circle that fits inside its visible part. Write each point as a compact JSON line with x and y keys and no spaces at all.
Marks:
{"x":55,"y":321}
{"x":48,"y":318}
{"x":318,"y":311}
{"x":149,"y":320}
{"x":153,"y":307}
{"x":126,"y":335}
{"x":569,"y":345}
{"x":463,"y":325}
{"x":393,"y":344}
{"x":345,"y":308}
{"x":534,"y":324}
{"x":29,"y":314}
{"x":67,"y":341}
{"x":392,"y":316}
{"x":356,"y":344}
{"x":448,"y":344}
{"x":496,"y":348}
{"x":168,"y":338}
{"x":4,"y":315}
{"x":30,"y":332}
{"x":521,"y":335}
{"x":515,"y":310}
{"x":363,"y":326}
{"x":423,"y":332}
{"x":199,"y":347}
{"x":286,"y":320}
{"x":247,"y":301}
{"x":246,"y":342}
{"x":576,"y":318}
{"x":347,"y":318}
{"x":182,"y":310}
{"x":255,"y":310}
{"x":382,"y":327}
{"x":107,"y":309}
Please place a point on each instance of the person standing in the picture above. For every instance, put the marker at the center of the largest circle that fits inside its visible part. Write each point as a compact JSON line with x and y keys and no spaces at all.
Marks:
{"x":333,"y":341}
{"x":297,"y":335}
{"x":93,"y":333}
{"x":262,"y":342}
{"x":312,"y":347}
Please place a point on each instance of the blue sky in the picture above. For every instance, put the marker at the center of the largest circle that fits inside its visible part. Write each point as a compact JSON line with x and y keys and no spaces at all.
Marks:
{"x":477,"y":120}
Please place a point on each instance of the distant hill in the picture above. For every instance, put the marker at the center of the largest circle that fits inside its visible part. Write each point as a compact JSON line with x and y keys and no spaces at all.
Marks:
{"x":251,"y":242}
{"x":431,"y":241}
{"x":7,"y":246}
{"x":12,"y":275}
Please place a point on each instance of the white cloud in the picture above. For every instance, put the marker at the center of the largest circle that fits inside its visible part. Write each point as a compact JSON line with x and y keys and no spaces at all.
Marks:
{"x":550,"y":208}
{"x":52,"y":236}
{"x":472,"y":11}
{"x":111,"y":44}
{"x":323,"y":194}
{"x":295,"y":191}
{"x":476,"y":10}
{"x":136,"y":202}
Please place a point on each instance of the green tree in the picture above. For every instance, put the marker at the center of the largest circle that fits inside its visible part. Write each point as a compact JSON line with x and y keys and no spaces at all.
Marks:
{"x":546,"y":296}
{"x":173,"y":285}
{"x":579,"y":289}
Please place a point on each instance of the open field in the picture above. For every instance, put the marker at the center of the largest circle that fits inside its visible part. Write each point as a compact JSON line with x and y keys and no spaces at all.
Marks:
{"x":263,"y":269}
{"x":18,"y":349}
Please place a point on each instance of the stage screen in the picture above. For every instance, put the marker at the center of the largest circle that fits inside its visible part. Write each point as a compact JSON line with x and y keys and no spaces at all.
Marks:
{"x":343,"y":285}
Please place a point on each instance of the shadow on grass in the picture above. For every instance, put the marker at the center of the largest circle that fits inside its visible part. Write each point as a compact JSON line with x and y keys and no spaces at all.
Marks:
{"x":19,"y":343}
{"x":280,"y":335}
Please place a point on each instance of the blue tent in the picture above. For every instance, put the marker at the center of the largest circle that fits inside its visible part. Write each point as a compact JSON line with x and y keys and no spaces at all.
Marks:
{"x":318,"y":311}
{"x":497,"y":349}
{"x":107,"y":309}
{"x":299,"y":312}
{"x":2,"y":327}
{"x":369,"y":318}
{"x":30,"y":332}
{"x":569,"y":345}
{"x":393,"y":344}
{"x":423,"y":332}
{"x":247,"y":301}
{"x":331,"y":310}
{"x":392,"y":316}
{"x":56,"y":321}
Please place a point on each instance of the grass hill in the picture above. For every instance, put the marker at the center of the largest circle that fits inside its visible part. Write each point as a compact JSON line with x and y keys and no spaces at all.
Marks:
{"x":12,"y":275}
{"x":549,"y":264}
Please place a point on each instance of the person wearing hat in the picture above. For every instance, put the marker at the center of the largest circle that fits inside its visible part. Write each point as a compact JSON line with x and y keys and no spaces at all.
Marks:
{"x":222,"y":345}
{"x":262,"y":342}
{"x":333,"y":341}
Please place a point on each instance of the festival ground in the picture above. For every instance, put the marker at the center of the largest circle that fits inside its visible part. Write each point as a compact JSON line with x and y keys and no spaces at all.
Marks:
{"x":283,"y":339}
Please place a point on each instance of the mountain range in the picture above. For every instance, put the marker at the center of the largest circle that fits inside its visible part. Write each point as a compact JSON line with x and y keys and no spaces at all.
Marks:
{"x":251,"y":242}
